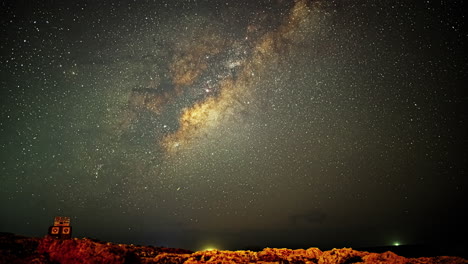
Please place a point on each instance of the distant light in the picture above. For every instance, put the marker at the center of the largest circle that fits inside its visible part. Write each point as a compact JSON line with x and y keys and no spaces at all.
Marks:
{"x":209,"y":248}
{"x":396,"y":244}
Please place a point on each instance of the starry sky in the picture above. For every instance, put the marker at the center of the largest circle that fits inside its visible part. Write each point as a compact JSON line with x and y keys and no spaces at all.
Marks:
{"x":234,"y":124}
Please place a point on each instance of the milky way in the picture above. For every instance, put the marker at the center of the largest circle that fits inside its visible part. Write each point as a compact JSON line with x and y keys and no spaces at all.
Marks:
{"x":234,"y":123}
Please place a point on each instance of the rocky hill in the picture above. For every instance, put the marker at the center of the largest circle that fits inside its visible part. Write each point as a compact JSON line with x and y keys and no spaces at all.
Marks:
{"x":19,"y":249}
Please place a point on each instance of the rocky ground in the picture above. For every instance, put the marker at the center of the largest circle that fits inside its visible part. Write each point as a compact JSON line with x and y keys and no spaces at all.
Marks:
{"x":19,"y":249}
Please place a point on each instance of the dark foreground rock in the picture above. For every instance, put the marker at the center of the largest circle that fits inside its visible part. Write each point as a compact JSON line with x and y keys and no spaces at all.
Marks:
{"x":19,"y":249}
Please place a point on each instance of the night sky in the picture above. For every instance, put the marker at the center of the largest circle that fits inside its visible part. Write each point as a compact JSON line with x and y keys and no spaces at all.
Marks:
{"x":233,"y":124}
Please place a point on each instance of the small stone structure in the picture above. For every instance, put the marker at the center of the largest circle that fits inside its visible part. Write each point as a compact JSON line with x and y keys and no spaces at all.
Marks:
{"x":61,"y":228}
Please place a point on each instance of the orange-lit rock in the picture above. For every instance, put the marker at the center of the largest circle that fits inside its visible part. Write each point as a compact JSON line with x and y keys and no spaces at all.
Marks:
{"x":19,"y":250}
{"x":344,"y":255}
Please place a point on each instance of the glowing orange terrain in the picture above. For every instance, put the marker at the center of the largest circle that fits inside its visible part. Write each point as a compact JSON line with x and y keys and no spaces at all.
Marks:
{"x":18,"y":249}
